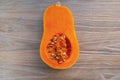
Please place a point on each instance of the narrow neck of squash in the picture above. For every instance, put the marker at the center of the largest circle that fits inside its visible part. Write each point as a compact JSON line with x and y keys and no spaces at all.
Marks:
{"x":58,"y":19}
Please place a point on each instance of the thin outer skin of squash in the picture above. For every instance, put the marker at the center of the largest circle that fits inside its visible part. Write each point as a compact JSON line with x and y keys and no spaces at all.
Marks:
{"x":59,"y":19}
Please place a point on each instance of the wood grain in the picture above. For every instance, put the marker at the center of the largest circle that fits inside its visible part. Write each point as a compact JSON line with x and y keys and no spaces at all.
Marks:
{"x":97,"y":23}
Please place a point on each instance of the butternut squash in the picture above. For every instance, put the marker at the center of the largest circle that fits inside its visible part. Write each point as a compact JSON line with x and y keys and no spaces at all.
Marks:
{"x":59,"y":47}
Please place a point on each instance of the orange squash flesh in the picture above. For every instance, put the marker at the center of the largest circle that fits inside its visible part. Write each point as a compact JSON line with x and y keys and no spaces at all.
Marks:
{"x":59,"y":19}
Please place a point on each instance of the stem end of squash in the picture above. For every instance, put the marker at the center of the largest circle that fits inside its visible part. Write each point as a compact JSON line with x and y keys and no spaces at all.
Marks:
{"x":58,"y":3}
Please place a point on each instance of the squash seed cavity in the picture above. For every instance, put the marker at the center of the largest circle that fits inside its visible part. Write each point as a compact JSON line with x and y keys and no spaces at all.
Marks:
{"x":59,"y":48}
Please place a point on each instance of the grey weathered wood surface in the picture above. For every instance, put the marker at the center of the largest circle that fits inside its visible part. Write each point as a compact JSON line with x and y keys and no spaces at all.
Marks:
{"x":97,"y":23}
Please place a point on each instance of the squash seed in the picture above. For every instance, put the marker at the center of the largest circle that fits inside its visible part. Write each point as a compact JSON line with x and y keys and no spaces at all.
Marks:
{"x":58,"y":48}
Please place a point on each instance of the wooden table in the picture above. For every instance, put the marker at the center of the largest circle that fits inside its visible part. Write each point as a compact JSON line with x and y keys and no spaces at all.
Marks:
{"x":97,"y":23}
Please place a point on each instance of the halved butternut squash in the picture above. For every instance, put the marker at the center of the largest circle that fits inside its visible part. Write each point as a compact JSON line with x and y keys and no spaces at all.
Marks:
{"x":59,"y":47}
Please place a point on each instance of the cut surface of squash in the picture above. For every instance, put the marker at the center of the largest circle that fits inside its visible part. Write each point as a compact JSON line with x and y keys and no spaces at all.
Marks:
{"x":59,"y":47}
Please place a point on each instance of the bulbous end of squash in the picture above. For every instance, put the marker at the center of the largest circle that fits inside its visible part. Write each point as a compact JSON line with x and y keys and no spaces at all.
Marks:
{"x":59,"y":47}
